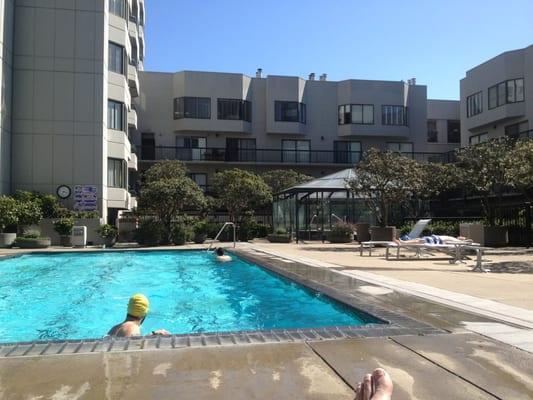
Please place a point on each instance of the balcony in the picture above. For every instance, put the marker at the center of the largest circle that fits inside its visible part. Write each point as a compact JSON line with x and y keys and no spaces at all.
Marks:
{"x":133,"y":80}
{"x":132,"y":162}
{"x":268,"y":156}
{"x":132,"y":119}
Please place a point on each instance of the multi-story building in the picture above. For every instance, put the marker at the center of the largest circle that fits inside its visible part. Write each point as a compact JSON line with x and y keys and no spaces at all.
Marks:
{"x":497,"y":98}
{"x":74,"y":72}
{"x":214,"y":121}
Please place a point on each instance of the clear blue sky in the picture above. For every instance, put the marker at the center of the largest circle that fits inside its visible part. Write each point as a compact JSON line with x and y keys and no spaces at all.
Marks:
{"x":434,"y":41}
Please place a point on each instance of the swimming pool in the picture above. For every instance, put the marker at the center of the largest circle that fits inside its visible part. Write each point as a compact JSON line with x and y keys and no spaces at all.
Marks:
{"x":81,"y":295}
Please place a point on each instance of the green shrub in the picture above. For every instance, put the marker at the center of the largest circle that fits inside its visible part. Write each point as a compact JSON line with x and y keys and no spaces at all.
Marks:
{"x":64,"y":226}
{"x":341,"y":232}
{"x":107,"y":231}
{"x":9,"y":212}
{"x":263,"y":230}
{"x":280,"y":231}
{"x":181,"y":234}
{"x":149,"y":232}
{"x":247,"y":230}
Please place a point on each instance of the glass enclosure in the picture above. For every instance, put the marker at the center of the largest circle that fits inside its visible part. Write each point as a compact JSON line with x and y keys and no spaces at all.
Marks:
{"x":311,"y":209}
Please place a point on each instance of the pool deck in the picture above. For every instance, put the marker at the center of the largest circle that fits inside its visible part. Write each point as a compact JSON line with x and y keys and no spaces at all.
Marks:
{"x":481,"y":352}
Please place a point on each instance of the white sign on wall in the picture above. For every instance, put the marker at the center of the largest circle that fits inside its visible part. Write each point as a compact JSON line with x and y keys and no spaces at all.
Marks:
{"x":85,"y":198}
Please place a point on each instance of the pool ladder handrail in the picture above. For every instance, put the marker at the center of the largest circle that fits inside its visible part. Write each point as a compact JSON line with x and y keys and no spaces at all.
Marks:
{"x":220,"y":232}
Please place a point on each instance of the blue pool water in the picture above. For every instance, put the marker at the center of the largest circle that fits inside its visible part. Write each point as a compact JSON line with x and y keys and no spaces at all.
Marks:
{"x":81,"y":295}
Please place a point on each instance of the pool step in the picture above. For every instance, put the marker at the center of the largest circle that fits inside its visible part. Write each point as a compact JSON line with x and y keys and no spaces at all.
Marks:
{"x":151,"y":343}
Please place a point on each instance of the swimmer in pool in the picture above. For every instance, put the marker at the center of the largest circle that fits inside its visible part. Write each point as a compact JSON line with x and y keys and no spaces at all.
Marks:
{"x":220,"y":256}
{"x":138,"y":306}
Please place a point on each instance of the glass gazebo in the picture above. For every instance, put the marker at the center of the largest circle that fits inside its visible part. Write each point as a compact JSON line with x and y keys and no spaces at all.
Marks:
{"x":308,"y":211}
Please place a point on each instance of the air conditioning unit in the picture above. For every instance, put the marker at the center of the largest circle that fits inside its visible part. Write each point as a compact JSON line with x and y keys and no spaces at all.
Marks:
{"x":79,"y":236}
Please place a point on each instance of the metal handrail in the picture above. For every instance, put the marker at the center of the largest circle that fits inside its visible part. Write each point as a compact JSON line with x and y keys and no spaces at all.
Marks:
{"x":220,"y":232}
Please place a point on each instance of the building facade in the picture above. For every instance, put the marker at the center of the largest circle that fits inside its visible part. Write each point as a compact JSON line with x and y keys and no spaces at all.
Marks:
{"x":497,"y":98}
{"x":213,"y":121}
{"x":74,"y":72}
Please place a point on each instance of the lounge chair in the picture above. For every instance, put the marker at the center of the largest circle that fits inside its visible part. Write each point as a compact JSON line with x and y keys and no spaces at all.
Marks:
{"x":415,"y":233}
{"x":455,"y":249}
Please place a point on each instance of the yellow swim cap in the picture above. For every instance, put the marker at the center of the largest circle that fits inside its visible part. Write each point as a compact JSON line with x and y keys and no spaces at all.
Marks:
{"x":138,"y":305}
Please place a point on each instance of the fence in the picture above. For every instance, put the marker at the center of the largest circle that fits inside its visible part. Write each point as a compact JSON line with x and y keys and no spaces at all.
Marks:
{"x":518,"y":219}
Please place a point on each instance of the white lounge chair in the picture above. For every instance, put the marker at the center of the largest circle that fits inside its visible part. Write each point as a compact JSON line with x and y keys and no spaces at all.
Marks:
{"x":415,"y":233}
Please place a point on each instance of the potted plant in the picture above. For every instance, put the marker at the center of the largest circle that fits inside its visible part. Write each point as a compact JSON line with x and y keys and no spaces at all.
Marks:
{"x":32,"y":240}
{"x":280,"y":236}
{"x":109,"y":233}
{"x":341,"y":233}
{"x":64,"y":227}
{"x":8,"y":217}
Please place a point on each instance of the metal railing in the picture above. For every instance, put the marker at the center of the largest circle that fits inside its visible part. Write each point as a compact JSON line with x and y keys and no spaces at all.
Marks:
{"x":278,"y":156}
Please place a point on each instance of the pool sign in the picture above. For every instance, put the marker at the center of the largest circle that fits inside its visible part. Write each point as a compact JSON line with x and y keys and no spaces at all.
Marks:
{"x":85,"y":198}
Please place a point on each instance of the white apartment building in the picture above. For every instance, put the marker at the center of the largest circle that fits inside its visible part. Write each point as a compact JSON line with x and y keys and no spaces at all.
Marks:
{"x":497,"y":98}
{"x":74,"y":71}
{"x":74,"y":98}
{"x":214,"y":121}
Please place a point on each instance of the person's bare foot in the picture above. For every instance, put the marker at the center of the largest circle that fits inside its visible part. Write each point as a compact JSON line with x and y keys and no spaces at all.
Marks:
{"x":377,"y":386}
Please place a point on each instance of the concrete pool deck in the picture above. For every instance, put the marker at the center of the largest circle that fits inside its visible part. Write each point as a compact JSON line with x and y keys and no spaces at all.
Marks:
{"x":459,"y":364}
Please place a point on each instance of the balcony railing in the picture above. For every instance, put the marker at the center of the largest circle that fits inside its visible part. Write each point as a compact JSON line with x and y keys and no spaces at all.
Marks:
{"x":274,"y":156}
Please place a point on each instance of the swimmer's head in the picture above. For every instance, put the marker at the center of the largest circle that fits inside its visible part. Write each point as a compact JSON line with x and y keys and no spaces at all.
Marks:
{"x":138,"y":306}
{"x":220,"y":251}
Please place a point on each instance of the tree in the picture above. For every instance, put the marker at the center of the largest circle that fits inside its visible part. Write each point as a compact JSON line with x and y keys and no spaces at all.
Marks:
{"x":519,"y":171}
{"x":484,"y":167}
{"x":9,"y":213}
{"x":281,"y":179}
{"x":240,"y":191}
{"x":167,"y":190}
{"x":384,"y":179}
{"x":435,"y":179}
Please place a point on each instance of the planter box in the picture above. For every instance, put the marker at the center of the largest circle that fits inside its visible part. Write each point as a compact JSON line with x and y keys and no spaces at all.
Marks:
{"x":7,"y":239}
{"x":42,"y":243}
{"x":491,"y":236}
{"x":279,"y":238}
{"x":46,"y":227}
{"x":380,"y":234}
{"x":363,"y":232}
{"x":334,"y":238}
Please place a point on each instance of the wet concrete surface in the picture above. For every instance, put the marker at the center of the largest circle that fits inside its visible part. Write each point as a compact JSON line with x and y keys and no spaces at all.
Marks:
{"x":414,"y":377}
{"x":281,"y":371}
{"x":500,"y":369}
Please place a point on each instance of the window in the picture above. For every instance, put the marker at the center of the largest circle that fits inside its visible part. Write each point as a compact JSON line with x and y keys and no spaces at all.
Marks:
{"x":147,"y":146}
{"x":480,"y":138}
{"x":190,"y":148}
{"x":290,"y":111}
{"x":454,"y":131}
{"x":510,"y":91}
{"x":116,"y":115}
{"x":433,"y":133}
{"x":116,"y":58}
{"x":296,"y":151}
{"x":394,"y":115}
{"x":474,"y":104}
{"x":400,"y":147}
{"x":117,"y":173}
{"x":118,"y":7}
{"x":515,"y":130}
{"x":200,"y":180}
{"x":356,"y":114}
{"x":234,"y":109}
{"x":134,"y":11}
{"x":240,"y":149}
{"x":192,"y":107}
{"x":346,"y":152}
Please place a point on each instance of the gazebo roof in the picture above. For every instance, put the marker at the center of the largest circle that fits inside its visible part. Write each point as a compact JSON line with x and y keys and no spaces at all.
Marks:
{"x":336,"y":182}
